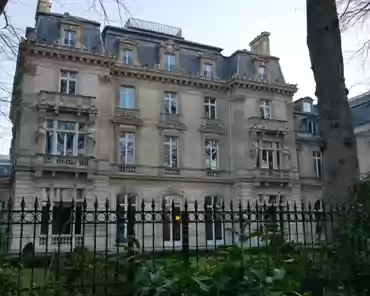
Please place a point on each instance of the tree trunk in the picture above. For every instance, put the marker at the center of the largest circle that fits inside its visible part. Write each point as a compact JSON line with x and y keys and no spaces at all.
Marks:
{"x":2,"y":5}
{"x":340,"y":163}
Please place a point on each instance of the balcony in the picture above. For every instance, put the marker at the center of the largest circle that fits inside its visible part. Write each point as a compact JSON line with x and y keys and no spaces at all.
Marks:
{"x":127,"y":116}
{"x":268,"y":126}
{"x":56,"y":162}
{"x":213,"y":173}
{"x":171,"y":121}
{"x":171,"y":171}
{"x":212,"y":125}
{"x":68,"y":103}
{"x":126,"y":168}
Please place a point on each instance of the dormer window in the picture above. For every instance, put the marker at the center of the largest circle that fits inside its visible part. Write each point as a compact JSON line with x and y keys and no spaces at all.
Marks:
{"x":262,"y":72}
{"x":208,"y":70}
{"x":128,"y":57}
{"x":70,"y":38}
{"x":169,"y":62}
{"x":307,"y":107}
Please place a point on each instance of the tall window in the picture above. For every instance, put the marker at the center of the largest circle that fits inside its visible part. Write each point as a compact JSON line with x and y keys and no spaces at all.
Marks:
{"x":307,"y":107}
{"x":70,"y":38}
{"x":127,"y":97}
{"x":268,"y":156}
{"x":126,"y":148}
{"x":213,"y":219}
{"x":171,"y":151}
{"x":169,"y":62}
{"x":210,"y":110}
{"x":124,"y":218}
{"x":317,"y":164}
{"x":312,"y":127}
{"x":172,"y":234}
{"x":66,"y":217}
{"x":170,"y":103}
{"x":128,"y":57}
{"x":65,"y":138}
{"x":262,"y":72}
{"x":68,"y":82}
{"x":265,"y":108}
{"x":212,"y":156}
{"x":208,"y":70}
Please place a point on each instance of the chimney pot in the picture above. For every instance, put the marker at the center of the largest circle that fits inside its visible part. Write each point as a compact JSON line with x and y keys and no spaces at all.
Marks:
{"x":261,"y":44}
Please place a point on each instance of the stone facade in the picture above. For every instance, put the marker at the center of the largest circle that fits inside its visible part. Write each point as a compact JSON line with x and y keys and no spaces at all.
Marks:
{"x":118,"y":90}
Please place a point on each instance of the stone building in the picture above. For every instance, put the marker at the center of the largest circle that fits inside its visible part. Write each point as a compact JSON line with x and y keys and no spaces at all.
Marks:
{"x":139,"y":113}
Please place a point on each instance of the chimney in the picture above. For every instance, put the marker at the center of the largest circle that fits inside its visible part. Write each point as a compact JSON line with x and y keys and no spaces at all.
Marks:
{"x":261,"y":44}
{"x":43,"y":6}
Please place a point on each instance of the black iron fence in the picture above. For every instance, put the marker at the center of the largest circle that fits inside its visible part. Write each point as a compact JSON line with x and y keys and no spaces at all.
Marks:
{"x":39,"y":238}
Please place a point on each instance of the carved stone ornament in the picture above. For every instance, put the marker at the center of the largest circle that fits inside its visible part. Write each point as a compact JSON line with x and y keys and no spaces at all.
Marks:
{"x":105,"y":78}
{"x":169,"y":46}
{"x":40,"y":132}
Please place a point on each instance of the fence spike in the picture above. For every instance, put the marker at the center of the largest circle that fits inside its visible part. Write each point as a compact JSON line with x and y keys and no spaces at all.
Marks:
{"x":240,"y":205}
{"x":85,"y":203}
{"x":73,"y":202}
{"x":231,"y":205}
{"x":196,"y":205}
{"x":107,"y":204}
{"x":186,"y":204}
{"x":142,"y":205}
{"x":23,"y":203}
{"x":309,"y":206}
{"x":223,"y":205}
{"x":96,"y":204}
{"x":295,"y":206}
{"x":287,"y":206}
{"x":36,"y":204}
{"x":9,"y":203}
{"x":153,"y":204}
{"x":248,"y":206}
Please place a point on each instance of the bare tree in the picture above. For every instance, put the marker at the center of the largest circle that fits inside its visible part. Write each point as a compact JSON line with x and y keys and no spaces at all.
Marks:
{"x":341,"y":168}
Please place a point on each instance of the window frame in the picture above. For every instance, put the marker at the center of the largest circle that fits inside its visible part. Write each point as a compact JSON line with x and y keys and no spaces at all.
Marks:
{"x":127,"y":98}
{"x":125,"y":135}
{"x":126,"y":57}
{"x":76,"y":132}
{"x":207,"y":103}
{"x":317,"y":164}
{"x":54,"y":195}
{"x":266,"y":109}
{"x":68,"y":80}
{"x":169,"y":143}
{"x":210,"y":147}
{"x":262,"y":72}
{"x":167,"y":208}
{"x":213,"y":208}
{"x":70,"y":32}
{"x":166,"y":62}
{"x":275,"y":151}
{"x":122,"y":208}
{"x":206,"y":72}
{"x":305,"y":105}
{"x":171,"y":97}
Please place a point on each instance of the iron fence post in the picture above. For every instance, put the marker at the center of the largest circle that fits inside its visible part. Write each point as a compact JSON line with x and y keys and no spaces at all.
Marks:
{"x":185,"y":233}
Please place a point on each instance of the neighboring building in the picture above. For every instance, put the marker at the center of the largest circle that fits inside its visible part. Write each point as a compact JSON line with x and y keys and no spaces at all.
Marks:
{"x":140,"y":113}
{"x":5,"y":185}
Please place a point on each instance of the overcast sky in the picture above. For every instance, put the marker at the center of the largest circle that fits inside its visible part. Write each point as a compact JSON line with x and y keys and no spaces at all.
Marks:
{"x":230,"y":25}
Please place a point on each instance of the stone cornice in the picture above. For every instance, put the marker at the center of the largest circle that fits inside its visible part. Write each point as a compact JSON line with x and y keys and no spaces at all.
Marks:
{"x":181,"y":77}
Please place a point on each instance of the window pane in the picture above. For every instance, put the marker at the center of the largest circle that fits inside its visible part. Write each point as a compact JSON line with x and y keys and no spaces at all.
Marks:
{"x":72,"y":87}
{"x":213,"y":112}
{"x":63,"y":86}
{"x":69,"y":144}
{"x":130,"y":148}
{"x":127,"y":98}
{"x":66,"y":125}
{"x":45,"y":220}
{"x":122,"y":150}
{"x":209,"y":224}
{"x":60,"y":143}
{"x":176,"y":225}
{"x":64,"y":73}
{"x":166,"y":227}
{"x":81,"y":145}
{"x":49,"y":143}
{"x":174,"y":152}
{"x":78,"y":219}
{"x":206,"y":111}
{"x":128,"y":57}
{"x":218,"y":225}
{"x":173,"y":106}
